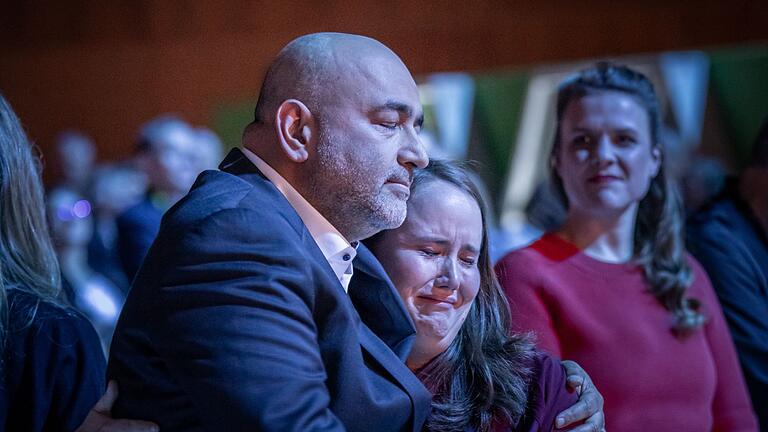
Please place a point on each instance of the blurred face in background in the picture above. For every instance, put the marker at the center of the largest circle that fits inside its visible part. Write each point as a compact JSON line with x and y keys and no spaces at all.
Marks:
{"x":76,"y":155}
{"x":170,"y":162}
{"x":432,"y":259}
{"x":606,"y":158}
{"x":208,"y":149}
{"x":115,"y":188}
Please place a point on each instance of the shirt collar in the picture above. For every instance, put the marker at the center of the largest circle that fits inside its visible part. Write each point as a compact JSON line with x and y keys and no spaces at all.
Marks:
{"x":335,"y":248}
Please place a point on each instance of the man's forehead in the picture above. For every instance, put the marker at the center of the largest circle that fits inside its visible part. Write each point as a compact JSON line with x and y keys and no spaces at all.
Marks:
{"x":386,"y":82}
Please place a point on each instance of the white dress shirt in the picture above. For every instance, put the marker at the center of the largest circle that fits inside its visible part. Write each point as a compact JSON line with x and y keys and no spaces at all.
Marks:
{"x":335,"y":248}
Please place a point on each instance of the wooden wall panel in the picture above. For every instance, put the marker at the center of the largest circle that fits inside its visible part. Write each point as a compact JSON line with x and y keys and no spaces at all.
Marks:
{"x":105,"y":67}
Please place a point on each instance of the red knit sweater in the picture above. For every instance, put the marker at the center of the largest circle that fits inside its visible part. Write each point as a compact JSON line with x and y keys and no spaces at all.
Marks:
{"x":602,"y":316}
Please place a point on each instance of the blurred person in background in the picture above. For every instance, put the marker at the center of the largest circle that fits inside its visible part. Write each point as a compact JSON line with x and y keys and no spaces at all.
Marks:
{"x":703,"y":180}
{"x":166,"y":154}
{"x":75,"y":155}
{"x":114,"y":188}
{"x":51,"y":361}
{"x":208,"y":149}
{"x":613,"y":288}
{"x":90,"y":292}
{"x":730,"y":238}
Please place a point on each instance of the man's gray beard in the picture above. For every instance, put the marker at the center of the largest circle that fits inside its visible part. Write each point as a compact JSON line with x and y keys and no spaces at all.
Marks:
{"x":340,"y":194}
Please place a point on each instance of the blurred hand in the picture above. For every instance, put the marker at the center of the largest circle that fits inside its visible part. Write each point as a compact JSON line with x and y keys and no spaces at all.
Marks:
{"x":588,"y":408}
{"x":100,"y":419}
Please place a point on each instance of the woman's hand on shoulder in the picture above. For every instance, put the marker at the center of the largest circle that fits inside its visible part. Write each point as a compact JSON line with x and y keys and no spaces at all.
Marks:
{"x":100,"y":419}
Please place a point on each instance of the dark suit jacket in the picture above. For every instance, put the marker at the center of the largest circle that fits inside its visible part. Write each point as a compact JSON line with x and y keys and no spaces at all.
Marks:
{"x":733,"y":248}
{"x":237,"y":322}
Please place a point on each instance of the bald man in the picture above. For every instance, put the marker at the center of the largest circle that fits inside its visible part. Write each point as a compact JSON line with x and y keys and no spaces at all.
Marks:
{"x":239,"y":318}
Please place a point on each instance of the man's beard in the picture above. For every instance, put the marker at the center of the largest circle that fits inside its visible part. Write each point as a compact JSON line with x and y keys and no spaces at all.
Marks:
{"x":345,"y":194}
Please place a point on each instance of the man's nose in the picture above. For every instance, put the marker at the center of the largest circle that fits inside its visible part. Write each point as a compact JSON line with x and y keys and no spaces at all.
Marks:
{"x":413,"y":153}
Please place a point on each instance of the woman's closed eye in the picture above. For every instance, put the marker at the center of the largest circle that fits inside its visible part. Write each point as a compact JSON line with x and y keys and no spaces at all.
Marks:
{"x":429,"y":252}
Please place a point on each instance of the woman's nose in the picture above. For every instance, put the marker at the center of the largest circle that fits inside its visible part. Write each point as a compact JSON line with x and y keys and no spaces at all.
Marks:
{"x":448,"y":275}
{"x":604,"y":151}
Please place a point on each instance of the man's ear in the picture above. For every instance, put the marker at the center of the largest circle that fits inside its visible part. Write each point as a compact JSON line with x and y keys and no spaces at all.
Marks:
{"x":295,"y":127}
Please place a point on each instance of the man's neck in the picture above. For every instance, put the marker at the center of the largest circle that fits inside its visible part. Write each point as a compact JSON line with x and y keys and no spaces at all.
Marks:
{"x":295,"y":174}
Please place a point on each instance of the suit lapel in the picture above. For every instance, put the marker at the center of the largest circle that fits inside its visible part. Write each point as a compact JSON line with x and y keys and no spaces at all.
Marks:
{"x":372,"y":295}
{"x":420,"y":396}
{"x":379,"y":305}
{"x":387,"y":331}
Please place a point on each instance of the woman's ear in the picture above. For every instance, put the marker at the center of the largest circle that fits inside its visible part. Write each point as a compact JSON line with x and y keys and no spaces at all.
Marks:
{"x":295,"y":128}
{"x":655,"y":160}
{"x":553,"y":162}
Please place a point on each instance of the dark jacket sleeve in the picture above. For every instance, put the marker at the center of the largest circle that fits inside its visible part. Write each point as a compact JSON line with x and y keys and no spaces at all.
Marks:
{"x":548,"y":394}
{"x":236,"y":325}
{"x":58,"y":374}
{"x":740,"y":288}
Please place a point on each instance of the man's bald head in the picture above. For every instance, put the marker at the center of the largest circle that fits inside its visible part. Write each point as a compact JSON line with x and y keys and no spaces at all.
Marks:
{"x":310,"y":68}
{"x":338,"y":118}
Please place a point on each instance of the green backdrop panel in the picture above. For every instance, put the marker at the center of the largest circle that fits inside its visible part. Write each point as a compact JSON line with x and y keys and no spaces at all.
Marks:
{"x":499,"y":100}
{"x":229,"y":121}
{"x":739,"y":80}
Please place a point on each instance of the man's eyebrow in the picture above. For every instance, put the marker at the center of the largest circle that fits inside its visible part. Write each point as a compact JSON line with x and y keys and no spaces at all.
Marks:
{"x":395,"y":106}
{"x":402,"y":108}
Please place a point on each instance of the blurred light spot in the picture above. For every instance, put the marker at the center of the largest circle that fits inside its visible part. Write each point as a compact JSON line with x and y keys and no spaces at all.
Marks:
{"x":101,"y":302}
{"x":81,"y":209}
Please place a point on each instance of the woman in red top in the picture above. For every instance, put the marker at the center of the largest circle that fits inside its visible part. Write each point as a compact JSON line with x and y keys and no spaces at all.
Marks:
{"x":613,"y":288}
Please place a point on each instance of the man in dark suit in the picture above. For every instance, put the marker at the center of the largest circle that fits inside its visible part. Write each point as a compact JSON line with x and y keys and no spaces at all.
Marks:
{"x":239,"y":318}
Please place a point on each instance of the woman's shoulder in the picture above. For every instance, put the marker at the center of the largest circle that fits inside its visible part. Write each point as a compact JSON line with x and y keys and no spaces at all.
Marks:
{"x":547,"y":250}
{"x":54,"y":364}
{"x":548,"y":394}
{"x":36,"y":323}
{"x":520,"y":261}
{"x":542,"y":260}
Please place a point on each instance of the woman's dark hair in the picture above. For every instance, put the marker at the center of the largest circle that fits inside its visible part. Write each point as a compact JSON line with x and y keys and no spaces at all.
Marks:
{"x":27,"y":259}
{"x":658,"y":239}
{"x":482,"y":378}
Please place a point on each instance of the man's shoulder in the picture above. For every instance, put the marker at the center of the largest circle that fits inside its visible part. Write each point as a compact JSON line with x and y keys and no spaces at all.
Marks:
{"x":219,"y":193}
{"x":716,"y":217}
{"x":719,"y":237}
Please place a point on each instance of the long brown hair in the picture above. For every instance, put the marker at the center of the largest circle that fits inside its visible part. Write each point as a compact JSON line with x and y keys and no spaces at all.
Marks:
{"x":27,"y":259}
{"x":482,"y":378}
{"x":659,"y":247}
